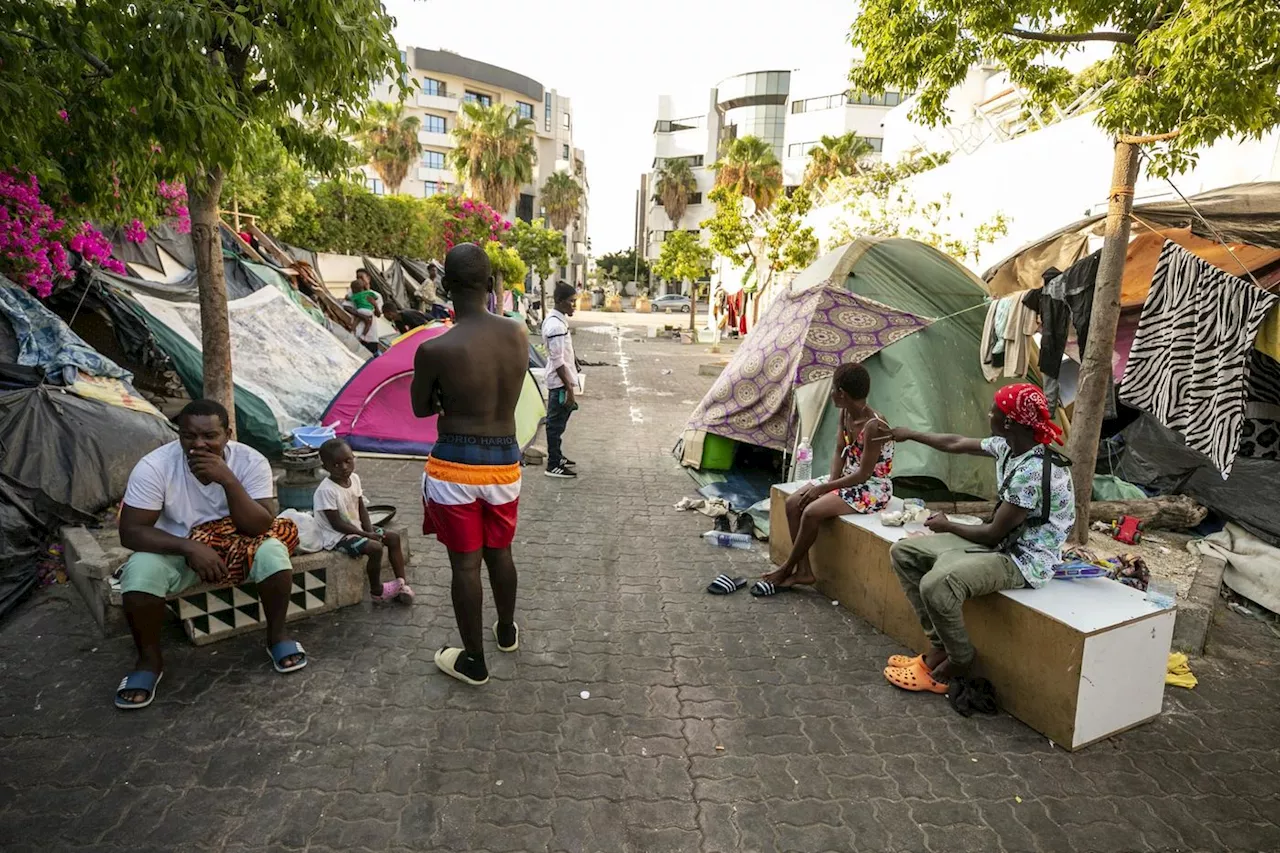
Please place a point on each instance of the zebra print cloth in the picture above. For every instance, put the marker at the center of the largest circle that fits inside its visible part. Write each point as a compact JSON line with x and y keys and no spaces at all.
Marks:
{"x":1189,"y":365}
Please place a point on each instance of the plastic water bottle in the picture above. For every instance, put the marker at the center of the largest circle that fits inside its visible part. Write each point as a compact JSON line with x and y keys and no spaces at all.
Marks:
{"x":728,"y":540}
{"x":804,"y":462}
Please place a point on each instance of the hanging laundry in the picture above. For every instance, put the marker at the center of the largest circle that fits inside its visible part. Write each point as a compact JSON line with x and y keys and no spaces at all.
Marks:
{"x":1268,"y":341}
{"x":1260,"y":435}
{"x":1190,"y":361}
{"x":1007,"y":338}
{"x":1067,"y":300}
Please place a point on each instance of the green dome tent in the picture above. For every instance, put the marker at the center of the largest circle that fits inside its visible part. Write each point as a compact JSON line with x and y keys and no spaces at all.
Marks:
{"x":911,"y":315}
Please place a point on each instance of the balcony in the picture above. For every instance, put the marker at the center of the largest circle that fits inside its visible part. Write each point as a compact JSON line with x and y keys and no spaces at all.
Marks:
{"x":445,"y":103}
{"x":440,"y":176}
{"x":437,"y":140}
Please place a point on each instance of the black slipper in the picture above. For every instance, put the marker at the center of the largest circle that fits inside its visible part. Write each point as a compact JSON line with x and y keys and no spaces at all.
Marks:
{"x":763,"y":589}
{"x":724,"y":585}
{"x":721,"y":524}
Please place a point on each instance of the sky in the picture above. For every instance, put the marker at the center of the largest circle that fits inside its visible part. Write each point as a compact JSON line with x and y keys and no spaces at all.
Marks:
{"x":614,"y":59}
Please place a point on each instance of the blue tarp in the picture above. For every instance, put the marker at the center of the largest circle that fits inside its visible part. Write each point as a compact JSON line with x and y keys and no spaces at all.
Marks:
{"x":46,"y":342}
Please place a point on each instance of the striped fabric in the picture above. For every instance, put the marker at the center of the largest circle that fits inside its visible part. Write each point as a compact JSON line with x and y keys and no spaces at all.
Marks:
{"x":471,"y":491}
{"x":1189,"y":365}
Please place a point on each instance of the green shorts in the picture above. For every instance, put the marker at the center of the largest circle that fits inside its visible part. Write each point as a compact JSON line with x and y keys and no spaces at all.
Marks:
{"x":168,"y":574}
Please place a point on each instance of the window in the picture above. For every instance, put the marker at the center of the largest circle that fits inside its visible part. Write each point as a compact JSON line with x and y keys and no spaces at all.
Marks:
{"x":862,"y":99}
{"x":430,"y":188}
{"x":692,"y":160}
{"x":431,"y":86}
{"x":434,"y":124}
{"x":477,"y":98}
{"x":694,"y":198}
{"x":677,"y":124}
{"x":525,"y":110}
{"x":524,"y":208}
{"x":376,"y":186}
{"x":566,"y":120}
{"x":433,"y":159}
{"x":546,"y":110}
{"x":800,"y":149}
{"x":564,"y":151}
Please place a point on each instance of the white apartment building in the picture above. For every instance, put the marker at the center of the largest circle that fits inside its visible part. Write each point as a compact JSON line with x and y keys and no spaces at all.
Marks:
{"x":445,"y":80}
{"x":792,"y":111}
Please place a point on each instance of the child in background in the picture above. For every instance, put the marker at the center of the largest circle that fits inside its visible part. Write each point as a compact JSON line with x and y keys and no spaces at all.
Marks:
{"x":343,"y":522}
{"x":365,"y":300}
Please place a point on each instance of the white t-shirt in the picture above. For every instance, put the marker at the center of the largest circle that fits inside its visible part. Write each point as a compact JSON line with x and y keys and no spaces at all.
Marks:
{"x":329,"y":495}
{"x":162,"y":481}
{"x":559,"y":343}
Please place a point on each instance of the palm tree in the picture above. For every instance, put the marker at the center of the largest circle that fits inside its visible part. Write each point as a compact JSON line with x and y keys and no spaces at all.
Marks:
{"x":750,"y":168}
{"x":562,"y":197}
{"x":390,"y":141}
{"x":834,"y":156}
{"x":674,"y":186}
{"x":495,"y":153}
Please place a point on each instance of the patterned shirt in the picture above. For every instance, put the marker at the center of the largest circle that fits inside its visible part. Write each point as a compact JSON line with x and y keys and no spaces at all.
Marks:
{"x":1035,"y":548}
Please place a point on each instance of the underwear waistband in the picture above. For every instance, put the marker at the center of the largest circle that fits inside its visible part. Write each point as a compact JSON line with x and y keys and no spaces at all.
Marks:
{"x":476,"y":449}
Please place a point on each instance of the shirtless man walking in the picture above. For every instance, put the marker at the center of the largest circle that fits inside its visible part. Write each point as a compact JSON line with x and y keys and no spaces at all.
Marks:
{"x":472,"y":377}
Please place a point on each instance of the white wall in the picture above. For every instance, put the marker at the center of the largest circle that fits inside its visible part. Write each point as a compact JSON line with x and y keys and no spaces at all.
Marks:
{"x":1045,"y":180}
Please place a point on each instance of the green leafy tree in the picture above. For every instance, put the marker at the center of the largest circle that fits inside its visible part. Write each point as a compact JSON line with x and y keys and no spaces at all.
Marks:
{"x":175,"y":91}
{"x":835,"y":156}
{"x":765,"y":243}
{"x":749,"y":167}
{"x":675,"y":184}
{"x":623,"y":266}
{"x":495,"y":153}
{"x":390,"y":142}
{"x":541,"y":248}
{"x":1182,"y":75}
{"x":683,"y":257}
{"x":562,"y":199}
{"x":348,"y":219}
{"x":270,"y":184}
{"x":507,"y":265}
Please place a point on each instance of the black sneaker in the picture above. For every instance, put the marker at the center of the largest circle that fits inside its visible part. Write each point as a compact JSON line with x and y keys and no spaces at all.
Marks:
{"x":562,"y":472}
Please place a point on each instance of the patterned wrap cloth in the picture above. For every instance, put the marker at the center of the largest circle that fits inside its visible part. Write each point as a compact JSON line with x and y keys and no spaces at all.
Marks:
{"x":1026,"y":404}
{"x":237,"y":550}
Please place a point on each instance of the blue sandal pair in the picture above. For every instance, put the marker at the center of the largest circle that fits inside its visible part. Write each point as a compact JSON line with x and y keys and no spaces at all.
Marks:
{"x":148,"y":681}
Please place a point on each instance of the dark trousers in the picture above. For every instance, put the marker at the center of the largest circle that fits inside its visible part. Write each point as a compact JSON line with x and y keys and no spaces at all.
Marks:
{"x":557,"y":419}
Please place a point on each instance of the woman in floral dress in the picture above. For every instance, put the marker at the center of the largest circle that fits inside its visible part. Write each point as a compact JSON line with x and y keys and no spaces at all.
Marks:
{"x":859,"y":480}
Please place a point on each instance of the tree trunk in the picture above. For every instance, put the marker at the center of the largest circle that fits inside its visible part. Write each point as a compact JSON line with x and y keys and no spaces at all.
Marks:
{"x":1095,"y":367}
{"x":693,"y":309}
{"x":498,"y":289}
{"x":1167,"y":512}
{"x":215,"y":324}
{"x":542,"y":290}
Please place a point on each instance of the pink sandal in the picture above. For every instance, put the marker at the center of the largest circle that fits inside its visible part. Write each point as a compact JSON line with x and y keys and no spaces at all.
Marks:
{"x":390,"y":590}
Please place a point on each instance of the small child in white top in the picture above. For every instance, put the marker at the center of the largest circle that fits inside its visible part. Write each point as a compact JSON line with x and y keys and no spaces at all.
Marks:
{"x":343,"y":522}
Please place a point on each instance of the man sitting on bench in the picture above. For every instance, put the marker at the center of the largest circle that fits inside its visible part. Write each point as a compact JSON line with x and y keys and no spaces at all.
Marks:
{"x":1018,"y":547}
{"x":201,"y":509}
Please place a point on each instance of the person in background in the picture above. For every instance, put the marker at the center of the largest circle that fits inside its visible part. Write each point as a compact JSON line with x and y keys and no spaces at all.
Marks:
{"x":472,"y":377}
{"x":406,"y":320}
{"x":561,"y":380}
{"x":342,"y":519}
{"x":204,"y":478}
{"x":1017,"y":548}
{"x":367,"y":304}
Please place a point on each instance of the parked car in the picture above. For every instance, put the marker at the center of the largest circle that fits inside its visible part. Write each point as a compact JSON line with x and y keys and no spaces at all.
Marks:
{"x":672,"y":302}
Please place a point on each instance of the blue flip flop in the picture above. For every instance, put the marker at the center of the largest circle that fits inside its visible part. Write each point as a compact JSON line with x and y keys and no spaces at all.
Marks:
{"x":140,"y":680}
{"x":284,"y":649}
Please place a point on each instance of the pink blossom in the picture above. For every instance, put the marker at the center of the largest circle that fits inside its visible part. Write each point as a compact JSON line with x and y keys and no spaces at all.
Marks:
{"x":136,"y":232}
{"x":62,"y":114}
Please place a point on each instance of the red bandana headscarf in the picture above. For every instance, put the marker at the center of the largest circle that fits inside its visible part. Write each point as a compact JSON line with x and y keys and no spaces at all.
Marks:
{"x":1026,"y":404}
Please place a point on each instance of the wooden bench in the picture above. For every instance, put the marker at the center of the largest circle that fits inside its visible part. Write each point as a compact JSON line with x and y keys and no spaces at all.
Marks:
{"x":322,"y":582}
{"x":1078,"y":661}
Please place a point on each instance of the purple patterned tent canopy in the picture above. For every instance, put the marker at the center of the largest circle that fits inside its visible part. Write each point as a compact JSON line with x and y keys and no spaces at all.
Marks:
{"x":802,"y":338}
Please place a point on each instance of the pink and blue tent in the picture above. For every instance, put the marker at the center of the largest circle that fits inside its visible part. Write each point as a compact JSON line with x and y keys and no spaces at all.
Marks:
{"x":373,"y":412}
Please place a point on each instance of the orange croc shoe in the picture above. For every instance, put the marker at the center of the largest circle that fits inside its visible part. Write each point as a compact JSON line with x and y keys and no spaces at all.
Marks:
{"x":904,"y":661}
{"x":914,"y":678}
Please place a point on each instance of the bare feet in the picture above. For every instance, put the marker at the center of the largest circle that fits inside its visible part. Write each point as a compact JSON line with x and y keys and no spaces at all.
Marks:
{"x":778,"y":577}
{"x":806,"y":579}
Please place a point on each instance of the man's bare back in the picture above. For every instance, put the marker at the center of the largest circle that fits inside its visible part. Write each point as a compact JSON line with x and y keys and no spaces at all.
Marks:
{"x":478,"y":368}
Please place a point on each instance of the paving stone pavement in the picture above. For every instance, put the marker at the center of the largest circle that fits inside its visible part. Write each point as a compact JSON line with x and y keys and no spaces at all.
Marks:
{"x":713,"y":723}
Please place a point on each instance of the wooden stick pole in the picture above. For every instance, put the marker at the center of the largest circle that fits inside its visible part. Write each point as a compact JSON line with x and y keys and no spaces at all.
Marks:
{"x":1095,"y":368}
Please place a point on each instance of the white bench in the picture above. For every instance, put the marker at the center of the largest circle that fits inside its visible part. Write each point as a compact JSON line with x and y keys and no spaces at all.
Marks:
{"x":1078,"y":661}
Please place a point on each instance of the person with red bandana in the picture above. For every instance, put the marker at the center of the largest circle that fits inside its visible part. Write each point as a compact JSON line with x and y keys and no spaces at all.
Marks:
{"x":1018,"y":547}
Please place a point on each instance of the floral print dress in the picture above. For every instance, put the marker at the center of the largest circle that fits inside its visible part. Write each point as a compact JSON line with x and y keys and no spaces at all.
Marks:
{"x":874,"y":493}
